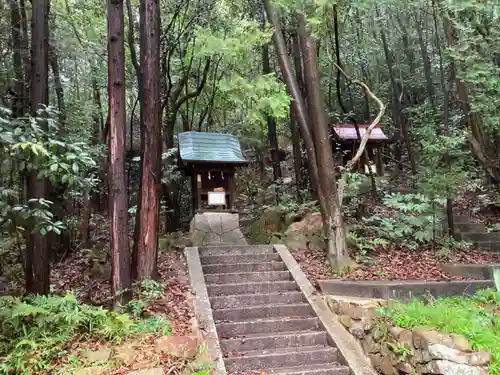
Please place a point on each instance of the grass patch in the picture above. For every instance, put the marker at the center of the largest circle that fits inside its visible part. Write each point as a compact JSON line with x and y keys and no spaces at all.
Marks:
{"x":36,"y":331}
{"x":476,"y":317}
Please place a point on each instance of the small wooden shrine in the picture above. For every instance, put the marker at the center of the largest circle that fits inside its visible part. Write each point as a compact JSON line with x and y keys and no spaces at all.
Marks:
{"x":345,"y":144}
{"x":210,"y":159}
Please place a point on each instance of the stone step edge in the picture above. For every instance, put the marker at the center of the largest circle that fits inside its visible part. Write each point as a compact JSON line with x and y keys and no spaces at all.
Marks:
{"x":306,"y":369}
{"x":220,"y":299}
{"x":243,"y":274}
{"x":286,"y":350}
{"x":268,"y":306}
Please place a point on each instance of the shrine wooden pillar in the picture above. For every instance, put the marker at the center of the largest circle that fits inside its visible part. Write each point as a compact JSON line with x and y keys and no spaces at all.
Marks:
{"x":194,"y":191}
{"x":379,"y":162}
{"x":228,"y":176}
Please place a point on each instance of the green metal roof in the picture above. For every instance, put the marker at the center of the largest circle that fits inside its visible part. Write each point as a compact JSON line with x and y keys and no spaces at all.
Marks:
{"x":210,"y":148}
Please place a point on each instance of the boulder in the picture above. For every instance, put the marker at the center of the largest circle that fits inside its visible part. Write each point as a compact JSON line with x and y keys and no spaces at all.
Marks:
{"x":91,"y":371}
{"x":99,"y":355}
{"x":386,"y":366}
{"x":346,"y":321}
{"x":461,"y":343}
{"x":439,"y":351}
{"x":151,"y":371}
{"x":422,"y":338}
{"x":307,"y":233}
{"x":269,"y":223}
{"x":451,"y":368}
{"x":370,"y":346}
{"x":177,"y":346}
{"x":405,"y":368}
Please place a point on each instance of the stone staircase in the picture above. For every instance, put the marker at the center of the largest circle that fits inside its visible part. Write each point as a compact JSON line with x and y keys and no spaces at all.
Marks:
{"x":263,"y":321}
{"x":475,"y":233}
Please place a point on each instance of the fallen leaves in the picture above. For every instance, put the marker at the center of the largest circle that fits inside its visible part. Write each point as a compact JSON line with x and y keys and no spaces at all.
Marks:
{"x":392,"y":264}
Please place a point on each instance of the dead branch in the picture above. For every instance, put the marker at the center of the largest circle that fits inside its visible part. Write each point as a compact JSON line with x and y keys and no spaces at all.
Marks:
{"x":364,"y":140}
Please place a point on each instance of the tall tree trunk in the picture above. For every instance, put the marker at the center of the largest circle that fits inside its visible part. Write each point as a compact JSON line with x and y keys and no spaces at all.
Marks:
{"x":318,"y":148}
{"x":147,"y":220}
{"x":332,"y":216}
{"x":54,"y":64}
{"x":271,"y":122}
{"x":37,"y":250}
{"x":446,"y":117}
{"x":401,"y":123}
{"x":479,"y":140}
{"x":299,"y":76}
{"x":426,"y":62}
{"x":118,"y":210}
{"x":18,"y":106}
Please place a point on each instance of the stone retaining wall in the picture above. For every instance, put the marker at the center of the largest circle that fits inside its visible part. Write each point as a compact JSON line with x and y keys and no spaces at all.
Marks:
{"x":394,"y":350}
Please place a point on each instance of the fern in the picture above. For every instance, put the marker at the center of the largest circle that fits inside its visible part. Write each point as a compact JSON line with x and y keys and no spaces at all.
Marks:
{"x":37,"y":329}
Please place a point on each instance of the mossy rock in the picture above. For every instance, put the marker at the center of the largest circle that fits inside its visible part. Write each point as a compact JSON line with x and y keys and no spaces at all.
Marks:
{"x":271,"y":221}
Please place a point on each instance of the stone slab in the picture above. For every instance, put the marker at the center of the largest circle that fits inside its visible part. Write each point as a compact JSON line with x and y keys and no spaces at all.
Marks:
{"x":403,"y":290}
{"x":473,"y":271}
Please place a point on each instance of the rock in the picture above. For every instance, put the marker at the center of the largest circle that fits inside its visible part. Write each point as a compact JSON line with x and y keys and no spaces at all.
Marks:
{"x":439,"y":351}
{"x":99,"y":355}
{"x":481,"y":358}
{"x":125,"y":355}
{"x":386,"y":366}
{"x":370,"y":346}
{"x":270,"y":195}
{"x":376,"y":360}
{"x":405,"y":368}
{"x":450,"y":368}
{"x":151,"y":371}
{"x":358,"y":329}
{"x":270,"y":222}
{"x":292,"y":217}
{"x":346,"y":321}
{"x":396,"y":331}
{"x":461,"y":343}
{"x":355,"y":312}
{"x":177,"y":346}
{"x":425,"y":337}
{"x":380,"y":331}
{"x":307,"y":233}
{"x":405,"y":339}
{"x":421,"y":356}
{"x":367,"y":324}
{"x":91,"y":371}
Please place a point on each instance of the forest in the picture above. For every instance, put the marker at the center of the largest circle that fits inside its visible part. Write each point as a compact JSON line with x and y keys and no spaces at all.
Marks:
{"x":94,"y":210}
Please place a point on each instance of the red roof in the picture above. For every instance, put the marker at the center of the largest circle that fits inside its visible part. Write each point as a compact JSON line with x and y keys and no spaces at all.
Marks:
{"x":348,"y":132}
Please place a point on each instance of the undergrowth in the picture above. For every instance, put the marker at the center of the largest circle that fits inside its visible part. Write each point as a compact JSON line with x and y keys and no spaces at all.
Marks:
{"x":37,"y":330}
{"x":476,"y":317}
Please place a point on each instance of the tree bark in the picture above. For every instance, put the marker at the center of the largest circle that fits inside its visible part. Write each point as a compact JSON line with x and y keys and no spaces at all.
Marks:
{"x":271,"y":122}
{"x":118,"y":210}
{"x":37,"y":250}
{"x":54,"y":64}
{"x":18,"y":105}
{"x":333,"y":221}
{"x":147,"y":220}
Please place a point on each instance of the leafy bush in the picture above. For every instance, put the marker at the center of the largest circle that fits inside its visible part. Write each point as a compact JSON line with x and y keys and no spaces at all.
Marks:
{"x":474,"y":317}
{"x":38,"y":329}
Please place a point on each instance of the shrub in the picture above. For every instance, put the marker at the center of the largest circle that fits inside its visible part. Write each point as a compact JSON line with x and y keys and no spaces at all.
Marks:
{"x":35,"y":330}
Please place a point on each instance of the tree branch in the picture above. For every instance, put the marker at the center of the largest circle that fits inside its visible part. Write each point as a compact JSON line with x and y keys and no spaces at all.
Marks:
{"x":366,"y":136}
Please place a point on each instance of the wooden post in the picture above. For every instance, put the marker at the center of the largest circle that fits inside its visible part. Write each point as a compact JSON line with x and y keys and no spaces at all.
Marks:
{"x":199,"y":184}
{"x":232,"y":193}
{"x":379,"y":162}
{"x":194,"y":191}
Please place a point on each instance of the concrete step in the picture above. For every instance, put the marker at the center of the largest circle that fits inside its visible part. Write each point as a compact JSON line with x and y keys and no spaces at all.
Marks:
{"x":278,"y":340}
{"x":263,"y":311}
{"x":244,"y":277}
{"x":269,"y":326}
{"x":227,"y":302}
{"x":242,"y":258}
{"x":236,"y":250}
{"x":244,"y":267}
{"x":329,"y":369}
{"x":249,"y":288}
{"x":282,"y":357}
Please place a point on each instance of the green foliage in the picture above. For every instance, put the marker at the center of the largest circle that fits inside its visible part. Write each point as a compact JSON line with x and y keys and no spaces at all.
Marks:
{"x":145,"y":293}
{"x":474,"y":317}
{"x":416,"y":220}
{"x":38,"y":329}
